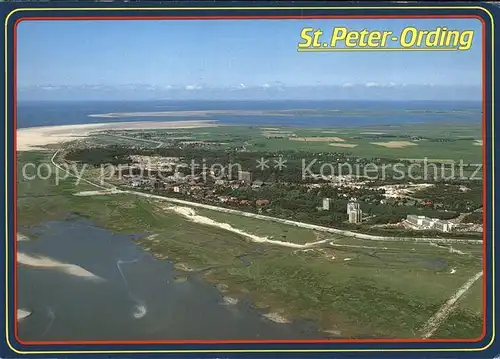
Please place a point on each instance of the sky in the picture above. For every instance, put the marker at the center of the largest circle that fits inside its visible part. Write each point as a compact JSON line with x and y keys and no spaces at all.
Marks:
{"x":165,"y":58}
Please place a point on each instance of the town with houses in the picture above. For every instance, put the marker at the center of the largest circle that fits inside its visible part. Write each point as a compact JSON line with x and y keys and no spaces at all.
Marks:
{"x":218,"y":192}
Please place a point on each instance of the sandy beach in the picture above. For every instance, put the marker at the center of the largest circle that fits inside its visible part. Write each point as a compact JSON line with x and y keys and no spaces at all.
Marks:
{"x":191,"y":214}
{"x":34,"y":138}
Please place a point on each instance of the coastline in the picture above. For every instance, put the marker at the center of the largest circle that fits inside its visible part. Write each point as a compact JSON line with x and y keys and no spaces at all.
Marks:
{"x":231,"y":292}
{"x":35,"y":138}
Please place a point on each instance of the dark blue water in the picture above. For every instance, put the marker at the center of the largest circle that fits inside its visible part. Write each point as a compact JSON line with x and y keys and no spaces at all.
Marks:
{"x":33,"y":114}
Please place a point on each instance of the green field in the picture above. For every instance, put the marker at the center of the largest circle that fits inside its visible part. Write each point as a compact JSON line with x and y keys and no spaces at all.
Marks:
{"x":362,"y":292}
{"x":272,"y":230}
{"x":440,"y":141}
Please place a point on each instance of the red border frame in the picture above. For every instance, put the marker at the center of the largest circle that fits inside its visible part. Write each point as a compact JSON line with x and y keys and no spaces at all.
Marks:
{"x":298,"y":341}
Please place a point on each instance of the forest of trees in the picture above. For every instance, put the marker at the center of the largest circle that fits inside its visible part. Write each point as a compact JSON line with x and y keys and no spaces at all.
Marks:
{"x":454,"y":197}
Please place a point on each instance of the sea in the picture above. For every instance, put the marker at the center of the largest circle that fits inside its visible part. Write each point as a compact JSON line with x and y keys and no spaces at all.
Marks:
{"x":348,"y":113}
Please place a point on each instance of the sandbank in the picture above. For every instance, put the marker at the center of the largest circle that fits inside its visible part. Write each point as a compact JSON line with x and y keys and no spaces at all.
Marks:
{"x":192,"y":113}
{"x":22,"y":237}
{"x":22,"y":313}
{"x":276,"y":317}
{"x":45,"y":262}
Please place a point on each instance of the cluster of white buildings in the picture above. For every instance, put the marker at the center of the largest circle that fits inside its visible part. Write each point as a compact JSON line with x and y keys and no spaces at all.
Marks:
{"x":426,"y":223}
{"x":355,"y":215}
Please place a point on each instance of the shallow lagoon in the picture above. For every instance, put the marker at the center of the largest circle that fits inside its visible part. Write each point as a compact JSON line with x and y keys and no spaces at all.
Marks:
{"x":138,"y":297}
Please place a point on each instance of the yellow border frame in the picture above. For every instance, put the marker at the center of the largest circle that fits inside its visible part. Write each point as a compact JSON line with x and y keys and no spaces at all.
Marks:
{"x":250,"y":350}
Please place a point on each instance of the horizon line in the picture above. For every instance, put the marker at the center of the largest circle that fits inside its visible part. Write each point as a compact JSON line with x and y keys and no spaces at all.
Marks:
{"x":278,"y":84}
{"x":248,"y":100}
